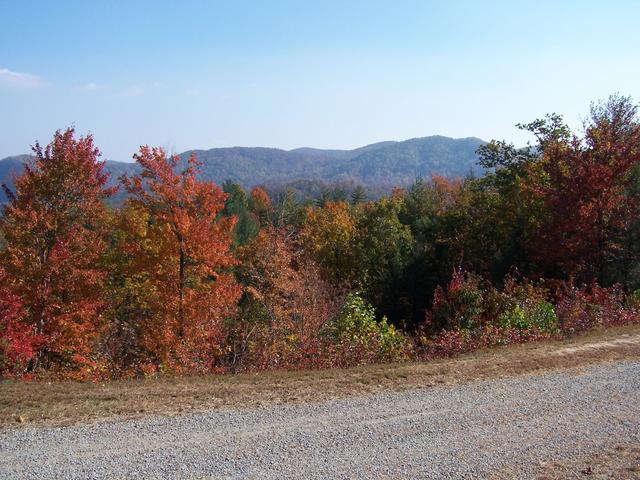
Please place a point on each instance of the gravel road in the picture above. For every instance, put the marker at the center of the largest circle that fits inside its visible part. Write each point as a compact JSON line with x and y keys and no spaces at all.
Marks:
{"x":505,"y":428}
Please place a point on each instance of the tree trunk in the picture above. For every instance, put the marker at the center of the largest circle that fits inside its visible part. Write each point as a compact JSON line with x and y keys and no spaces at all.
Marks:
{"x":181,"y":290}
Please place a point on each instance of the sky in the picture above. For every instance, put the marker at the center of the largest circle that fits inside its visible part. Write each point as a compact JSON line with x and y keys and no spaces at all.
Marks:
{"x":287,"y":74}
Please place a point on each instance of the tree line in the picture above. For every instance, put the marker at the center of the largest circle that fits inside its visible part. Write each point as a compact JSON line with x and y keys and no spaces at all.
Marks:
{"x":189,"y":277}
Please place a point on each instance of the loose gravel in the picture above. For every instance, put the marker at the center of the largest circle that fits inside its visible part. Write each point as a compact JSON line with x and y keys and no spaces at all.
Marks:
{"x":508,"y":428}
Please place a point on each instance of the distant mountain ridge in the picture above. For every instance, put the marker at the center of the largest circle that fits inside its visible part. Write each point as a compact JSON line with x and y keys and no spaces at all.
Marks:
{"x":379,"y":166}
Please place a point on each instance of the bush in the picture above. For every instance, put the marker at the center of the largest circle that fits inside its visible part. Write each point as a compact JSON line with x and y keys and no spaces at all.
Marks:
{"x":478,"y":318}
{"x":514,"y":318}
{"x":460,"y":306}
{"x":540,"y":316}
{"x":633,"y":300}
{"x":356,"y":329}
{"x":544,"y":317}
{"x":583,"y":308}
{"x":454,"y":342}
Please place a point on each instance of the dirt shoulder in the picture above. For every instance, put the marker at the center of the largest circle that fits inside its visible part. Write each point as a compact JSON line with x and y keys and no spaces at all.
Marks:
{"x":64,"y":403}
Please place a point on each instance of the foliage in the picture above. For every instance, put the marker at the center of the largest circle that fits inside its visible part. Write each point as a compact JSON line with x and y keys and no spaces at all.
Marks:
{"x":329,"y":235}
{"x":185,"y":277}
{"x":584,"y":308}
{"x":459,"y":306}
{"x":182,"y":252}
{"x":486,"y":316}
{"x":18,"y":342}
{"x":237,"y":205}
{"x":284,"y":307}
{"x":356,"y":328}
{"x":588,"y":194}
{"x":541,"y":317}
{"x":454,"y":342}
{"x":53,"y":229}
{"x":382,"y":250}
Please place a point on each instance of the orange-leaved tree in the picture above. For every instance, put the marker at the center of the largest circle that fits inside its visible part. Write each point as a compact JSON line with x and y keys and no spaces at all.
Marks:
{"x":285,"y":306}
{"x":53,"y":228}
{"x":184,"y":255}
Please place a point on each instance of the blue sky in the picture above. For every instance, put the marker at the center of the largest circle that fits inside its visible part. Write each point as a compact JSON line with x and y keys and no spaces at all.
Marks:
{"x":331,"y":74}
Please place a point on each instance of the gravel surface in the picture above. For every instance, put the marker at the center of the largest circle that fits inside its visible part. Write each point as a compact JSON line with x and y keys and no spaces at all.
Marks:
{"x":507,"y":428}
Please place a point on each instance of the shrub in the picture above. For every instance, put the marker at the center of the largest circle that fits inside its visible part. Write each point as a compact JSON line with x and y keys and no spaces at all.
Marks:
{"x":514,"y":318}
{"x":544,"y":317}
{"x":480,"y":318}
{"x":540,"y":316}
{"x":633,"y":300}
{"x":583,"y":308}
{"x":460,"y":306}
{"x":454,"y":342}
{"x":356,"y":328}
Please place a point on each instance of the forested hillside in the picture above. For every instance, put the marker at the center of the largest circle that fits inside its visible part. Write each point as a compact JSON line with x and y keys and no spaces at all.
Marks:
{"x":380,"y":166}
{"x":188,"y":276}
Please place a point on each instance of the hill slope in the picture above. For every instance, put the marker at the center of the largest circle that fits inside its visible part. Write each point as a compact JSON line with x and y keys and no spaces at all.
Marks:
{"x":380,"y":165}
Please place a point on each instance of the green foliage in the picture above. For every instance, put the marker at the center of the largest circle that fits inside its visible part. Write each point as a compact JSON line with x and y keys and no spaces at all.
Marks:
{"x":383,"y":246}
{"x":500,"y":154}
{"x":237,"y":204}
{"x":540,"y":316}
{"x":544,"y":317}
{"x":356,"y":325}
{"x":514,"y":318}
{"x":356,"y":321}
{"x":633,"y":299}
{"x":358,"y":195}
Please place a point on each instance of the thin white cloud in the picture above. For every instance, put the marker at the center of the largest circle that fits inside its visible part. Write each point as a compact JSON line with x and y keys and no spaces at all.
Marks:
{"x":96,"y":87}
{"x":192,"y":92}
{"x":18,"y":79}
{"x":133,"y":91}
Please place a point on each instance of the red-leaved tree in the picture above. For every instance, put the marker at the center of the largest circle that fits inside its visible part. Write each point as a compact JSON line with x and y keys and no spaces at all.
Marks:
{"x":52,"y":227}
{"x":588,"y":189}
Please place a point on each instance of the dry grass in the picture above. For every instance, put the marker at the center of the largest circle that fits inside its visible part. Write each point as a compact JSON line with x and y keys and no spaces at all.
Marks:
{"x":61,"y":403}
{"x":621,"y":462}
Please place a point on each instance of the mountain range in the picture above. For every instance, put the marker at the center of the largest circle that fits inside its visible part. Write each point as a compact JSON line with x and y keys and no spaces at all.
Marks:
{"x":379,"y":166}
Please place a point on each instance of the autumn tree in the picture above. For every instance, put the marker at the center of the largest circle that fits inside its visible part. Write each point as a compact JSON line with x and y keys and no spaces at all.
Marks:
{"x":184,"y":256}
{"x":364,"y":248}
{"x":285,"y":305}
{"x":589,"y":189}
{"x":329,"y":235}
{"x":54,"y":240}
{"x":134,"y":261}
{"x":261,"y":206}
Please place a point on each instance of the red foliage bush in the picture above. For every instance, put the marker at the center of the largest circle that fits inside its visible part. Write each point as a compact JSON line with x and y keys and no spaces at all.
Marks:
{"x":584,"y":308}
{"x":455,"y":342}
{"x":459,"y":306}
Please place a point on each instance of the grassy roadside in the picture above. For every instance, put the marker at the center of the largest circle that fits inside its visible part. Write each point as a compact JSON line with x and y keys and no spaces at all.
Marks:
{"x":63,"y":403}
{"x":620,"y":461}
